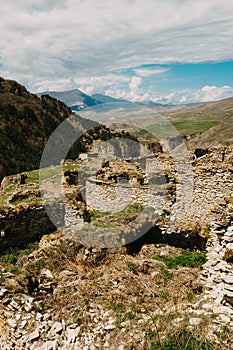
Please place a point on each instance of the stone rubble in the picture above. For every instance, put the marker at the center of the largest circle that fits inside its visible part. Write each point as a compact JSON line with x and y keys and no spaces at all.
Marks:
{"x":22,"y":326}
{"x":217,"y":278}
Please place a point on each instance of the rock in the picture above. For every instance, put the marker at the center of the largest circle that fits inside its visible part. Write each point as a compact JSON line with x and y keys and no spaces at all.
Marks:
{"x":18,"y":317}
{"x":228,"y":279}
{"x":71,"y":335}
{"x":207,"y":306}
{"x":28,"y":304}
{"x":229,"y":293}
{"x":3,"y":292}
{"x":109,"y":327}
{"x":48,"y":286}
{"x":39,"y":316}
{"x":12,"y":322}
{"x":66,"y":273}
{"x":13,"y":305}
{"x":194,"y":321}
{"x":47,"y":274}
{"x":200,"y":312}
{"x":223,"y":310}
{"x":32,"y":336}
{"x":141,"y":321}
{"x":23,"y":324}
{"x":49,"y":345}
{"x":56,"y":328}
{"x":224,"y":318}
{"x":229,"y":287}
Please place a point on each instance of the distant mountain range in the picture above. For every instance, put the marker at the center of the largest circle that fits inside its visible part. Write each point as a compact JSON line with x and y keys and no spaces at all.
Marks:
{"x":27,"y":121}
{"x":75,"y":99}
{"x":78,"y":100}
{"x":205,"y":124}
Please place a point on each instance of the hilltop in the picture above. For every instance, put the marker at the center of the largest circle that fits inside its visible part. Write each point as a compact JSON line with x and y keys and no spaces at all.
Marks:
{"x":26,"y":122}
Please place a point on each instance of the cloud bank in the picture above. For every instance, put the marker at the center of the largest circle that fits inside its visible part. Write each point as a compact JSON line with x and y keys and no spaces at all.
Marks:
{"x":204,"y":94}
{"x":58,"y":44}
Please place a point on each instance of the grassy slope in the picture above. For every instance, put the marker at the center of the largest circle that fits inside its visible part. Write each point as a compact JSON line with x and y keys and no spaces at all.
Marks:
{"x":214,"y":122}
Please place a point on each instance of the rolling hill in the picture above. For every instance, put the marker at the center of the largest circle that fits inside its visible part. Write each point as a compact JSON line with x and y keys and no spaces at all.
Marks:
{"x":205,"y":125}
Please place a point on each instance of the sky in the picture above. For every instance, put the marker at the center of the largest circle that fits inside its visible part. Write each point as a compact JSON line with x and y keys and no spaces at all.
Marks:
{"x":165,"y":51}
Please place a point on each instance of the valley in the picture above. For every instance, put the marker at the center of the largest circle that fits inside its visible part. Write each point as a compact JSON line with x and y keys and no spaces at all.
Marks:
{"x":127,"y":243}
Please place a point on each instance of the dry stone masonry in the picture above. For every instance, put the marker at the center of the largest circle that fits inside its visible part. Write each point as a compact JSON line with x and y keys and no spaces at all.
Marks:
{"x":210,"y":215}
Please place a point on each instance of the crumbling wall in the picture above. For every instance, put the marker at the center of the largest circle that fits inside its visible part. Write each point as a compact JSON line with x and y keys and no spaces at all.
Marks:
{"x":212,"y":184}
{"x":19,"y":226}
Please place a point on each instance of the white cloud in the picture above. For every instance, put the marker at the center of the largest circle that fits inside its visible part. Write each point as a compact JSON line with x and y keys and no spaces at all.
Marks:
{"x":205,"y":94}
{"x":99,"y":84}
{"x":136,"y":94}
{"x":47,"y":42}
{"x":133,"y":92}
{"x":147,"y":72}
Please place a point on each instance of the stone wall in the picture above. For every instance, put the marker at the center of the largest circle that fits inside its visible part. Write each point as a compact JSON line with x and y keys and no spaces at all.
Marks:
{"x":19,"y":226}
{"x":213,"y":183}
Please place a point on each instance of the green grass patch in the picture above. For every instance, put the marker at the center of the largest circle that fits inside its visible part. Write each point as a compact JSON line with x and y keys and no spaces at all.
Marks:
{"x":96,"y":214}
{"x":179,"y":341}
{"x":132,"y":267}
{"x":119,"y":308}
{"x":173,"y":128}
{"x":189,"y":127}
{"x":11,"y":256}
{"x":108,"y":219}
{"x":32,"y":182}
{"x":186,"y":259}
{"x":167,"y":275}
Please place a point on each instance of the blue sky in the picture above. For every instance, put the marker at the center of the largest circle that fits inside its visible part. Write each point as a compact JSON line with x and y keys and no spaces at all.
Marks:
{"x":183,"y":76}
{"x":173,"y":51}
{"x":214,"y":79}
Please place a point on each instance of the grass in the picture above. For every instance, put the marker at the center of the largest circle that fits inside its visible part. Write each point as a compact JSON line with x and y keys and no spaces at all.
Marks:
{"x":119,"y":308}
{"x":186,"y":259}
{"x":167,"y":335}
{"x":109,"y":219}
{"x":32,"y":183}
{"x":132,"y":267}
{"x":189,"y":127}
{"x":182,"y":127}
{"x":96,"y":214}
{"x":12,"y":255}
{"x":167,"y":275}
{"x":124,"y":313}
{"x":179,"y":340}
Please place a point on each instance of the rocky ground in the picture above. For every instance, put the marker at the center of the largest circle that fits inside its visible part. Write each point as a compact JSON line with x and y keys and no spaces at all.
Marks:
{"x":58,"y":294}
